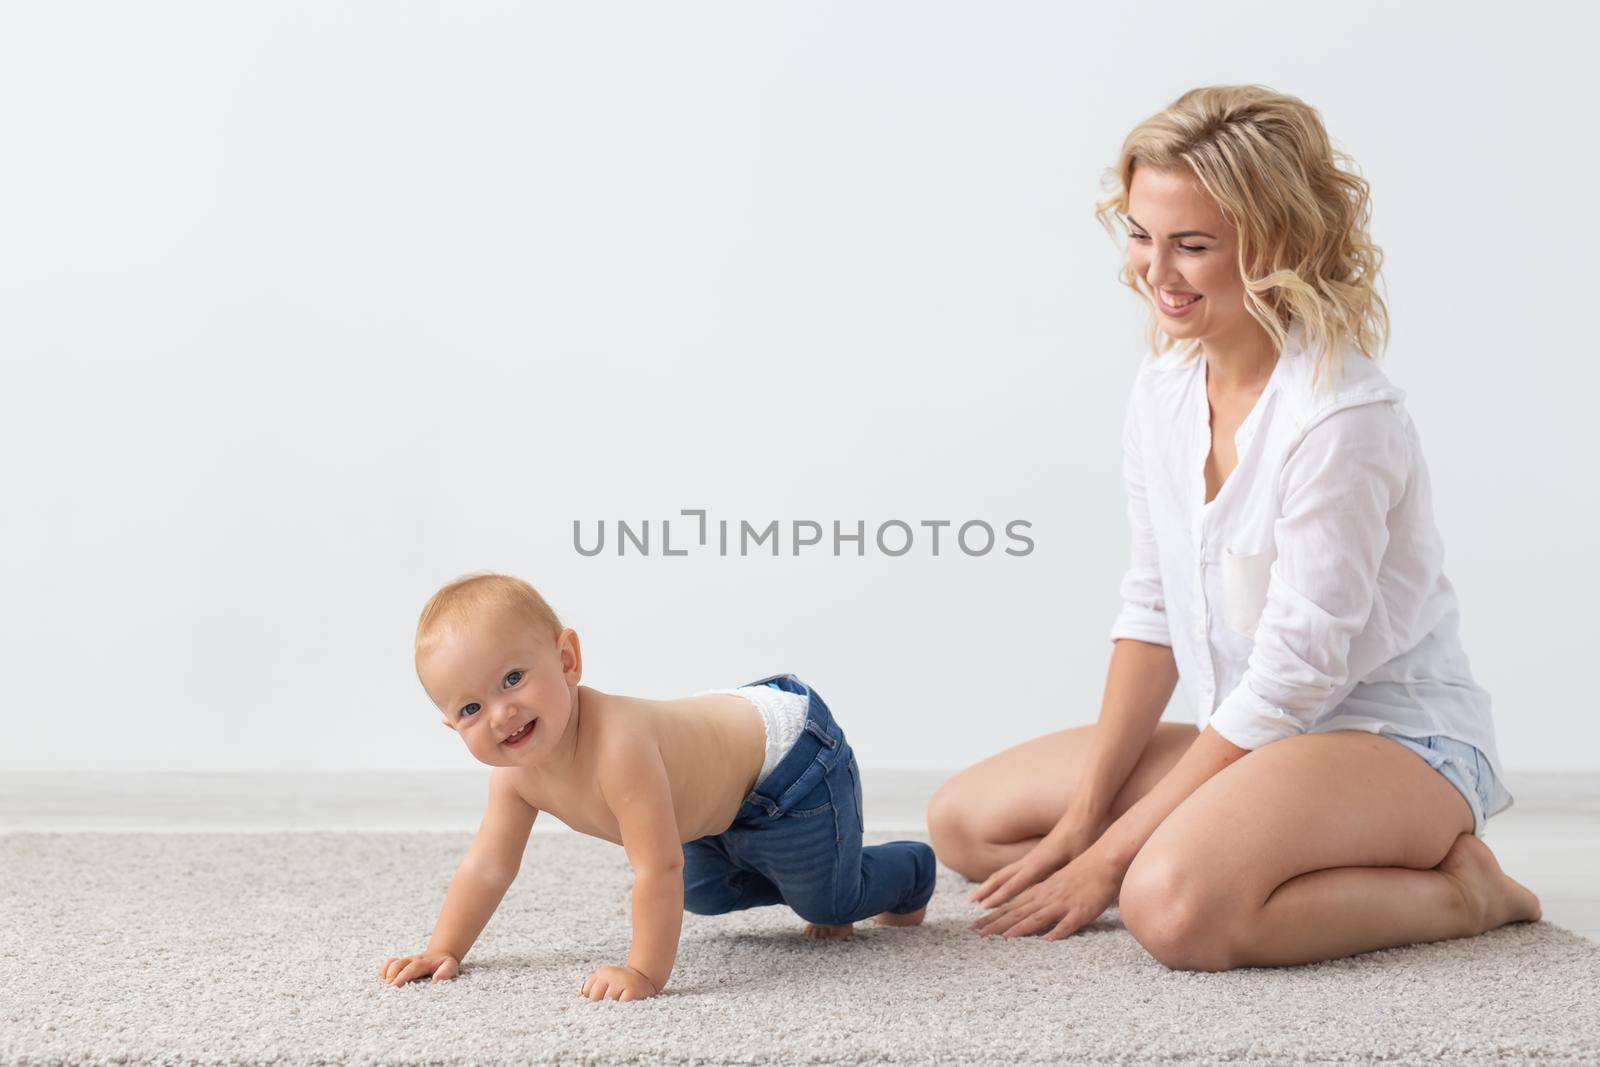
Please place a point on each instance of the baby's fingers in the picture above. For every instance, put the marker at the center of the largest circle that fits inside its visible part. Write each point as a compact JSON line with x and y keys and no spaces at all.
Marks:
{"x":414,"y":969}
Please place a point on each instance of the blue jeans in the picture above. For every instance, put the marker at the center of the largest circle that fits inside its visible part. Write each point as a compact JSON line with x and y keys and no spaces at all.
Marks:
{"x":797,"y":839}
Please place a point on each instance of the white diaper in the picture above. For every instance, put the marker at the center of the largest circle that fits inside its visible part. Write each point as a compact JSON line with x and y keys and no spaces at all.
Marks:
{"x":783,"y":715}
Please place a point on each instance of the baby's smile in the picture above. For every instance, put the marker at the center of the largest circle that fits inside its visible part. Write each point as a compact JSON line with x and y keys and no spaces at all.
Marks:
{"x":519,"y":736}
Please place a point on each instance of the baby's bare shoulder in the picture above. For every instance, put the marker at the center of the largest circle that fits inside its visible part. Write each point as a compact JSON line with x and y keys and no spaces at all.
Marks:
{"x":624,"y":729}
{"x":518,"y":782}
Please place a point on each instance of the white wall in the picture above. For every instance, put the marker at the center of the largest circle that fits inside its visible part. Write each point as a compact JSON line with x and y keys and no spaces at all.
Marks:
{"x":305,"y":310}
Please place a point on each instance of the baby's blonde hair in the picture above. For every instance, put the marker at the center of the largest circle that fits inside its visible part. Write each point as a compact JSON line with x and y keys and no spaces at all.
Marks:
{"x":471,"y":595}
{"x":1304,"y":253}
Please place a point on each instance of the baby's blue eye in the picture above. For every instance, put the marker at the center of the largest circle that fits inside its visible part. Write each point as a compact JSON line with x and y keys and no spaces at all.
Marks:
{"x":468,"y":710}
{"x":513,"y":674}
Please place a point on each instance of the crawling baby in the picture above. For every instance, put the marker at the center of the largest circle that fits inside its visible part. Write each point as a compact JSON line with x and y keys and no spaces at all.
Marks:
{"x":728,"y":799}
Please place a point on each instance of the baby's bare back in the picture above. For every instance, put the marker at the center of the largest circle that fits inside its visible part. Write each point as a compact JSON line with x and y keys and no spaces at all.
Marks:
{"x":712,"y":747}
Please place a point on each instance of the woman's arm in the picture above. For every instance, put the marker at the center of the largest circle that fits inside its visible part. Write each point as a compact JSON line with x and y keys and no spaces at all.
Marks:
{"x":1139,"y":683}
{"x":1209,"y":753}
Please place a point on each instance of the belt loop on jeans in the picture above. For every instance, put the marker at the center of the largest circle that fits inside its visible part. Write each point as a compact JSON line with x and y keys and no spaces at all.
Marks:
{"x":826,"y":738}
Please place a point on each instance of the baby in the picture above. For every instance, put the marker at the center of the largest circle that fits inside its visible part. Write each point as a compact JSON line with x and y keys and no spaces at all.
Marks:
{"x":727,"y":799}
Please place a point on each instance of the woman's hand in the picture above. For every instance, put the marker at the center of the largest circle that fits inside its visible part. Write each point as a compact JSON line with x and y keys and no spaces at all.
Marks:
{"x":1062,"y":904}
{"x":1071,"y":837}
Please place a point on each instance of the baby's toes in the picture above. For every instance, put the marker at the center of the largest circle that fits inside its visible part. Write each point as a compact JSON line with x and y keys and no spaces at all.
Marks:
{"x":830,"y":931}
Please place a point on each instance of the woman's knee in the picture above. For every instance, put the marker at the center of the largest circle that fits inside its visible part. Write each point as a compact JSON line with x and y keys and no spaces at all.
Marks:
{"x":1167,"y":911}
{"x":956,"y":835}
{"x":944,"y":813}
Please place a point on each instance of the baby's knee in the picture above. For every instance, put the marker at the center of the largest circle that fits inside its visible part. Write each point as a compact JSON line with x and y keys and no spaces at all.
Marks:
{"x":707,"y":897}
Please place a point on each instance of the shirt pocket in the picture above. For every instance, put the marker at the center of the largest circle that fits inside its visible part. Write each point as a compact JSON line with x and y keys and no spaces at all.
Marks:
{"x":1244,"y":588}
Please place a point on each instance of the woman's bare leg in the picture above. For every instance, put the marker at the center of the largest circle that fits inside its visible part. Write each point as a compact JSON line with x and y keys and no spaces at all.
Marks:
{"x":1311,"y":848}
{"x":995,"y":811}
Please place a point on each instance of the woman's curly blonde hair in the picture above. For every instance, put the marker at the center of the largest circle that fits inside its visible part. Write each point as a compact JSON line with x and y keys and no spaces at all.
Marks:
{"x":1304,"y":254}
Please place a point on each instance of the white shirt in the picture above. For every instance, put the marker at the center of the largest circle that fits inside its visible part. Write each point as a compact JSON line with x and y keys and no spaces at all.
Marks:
{"x":1309,"y":596}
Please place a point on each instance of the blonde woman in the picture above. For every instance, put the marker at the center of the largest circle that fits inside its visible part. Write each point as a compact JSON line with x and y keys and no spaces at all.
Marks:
{"x":1331,"y":798}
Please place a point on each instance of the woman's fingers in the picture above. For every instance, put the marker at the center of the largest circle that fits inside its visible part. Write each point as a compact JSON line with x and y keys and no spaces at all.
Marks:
{"x":995,"y":880}
{"x":1023,"y":915}
{"x":1032,"y":923}
{"x":983,"y":922}
{"x":1000,"y":893}
{"x":1069,"y":925}
{"x":1002,"y":919}
{"x":1024,"y":877}
{"x":1014,"y":921}
{"x":1014,"y":885}
{"x":1006,"y":905}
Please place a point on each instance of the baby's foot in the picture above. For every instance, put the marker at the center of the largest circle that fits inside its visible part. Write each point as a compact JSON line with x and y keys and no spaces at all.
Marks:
{"x":829,"y":932}
{"x":897,"y":918}
{"x":1493,"y":897}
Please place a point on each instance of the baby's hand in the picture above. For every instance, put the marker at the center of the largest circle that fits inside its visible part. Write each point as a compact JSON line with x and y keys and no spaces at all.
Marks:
{"x":398,"y":970}
{"x":617,"y":983}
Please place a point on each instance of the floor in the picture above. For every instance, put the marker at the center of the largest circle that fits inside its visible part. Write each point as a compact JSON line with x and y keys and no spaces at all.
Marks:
{"x":1549,"y":840}
{"x":264,"y":948}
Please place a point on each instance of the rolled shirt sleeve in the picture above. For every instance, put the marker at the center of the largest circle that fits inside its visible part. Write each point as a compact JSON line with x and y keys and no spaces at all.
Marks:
{"x":1143,"y":616}
{"x":1337,"y":486}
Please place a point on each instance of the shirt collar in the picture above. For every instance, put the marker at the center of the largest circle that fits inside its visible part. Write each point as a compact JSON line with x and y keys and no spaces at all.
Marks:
{"x":1280,"y":370}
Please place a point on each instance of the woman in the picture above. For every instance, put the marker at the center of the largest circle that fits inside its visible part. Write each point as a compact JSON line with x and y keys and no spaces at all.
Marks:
{"x":1287,"y":566}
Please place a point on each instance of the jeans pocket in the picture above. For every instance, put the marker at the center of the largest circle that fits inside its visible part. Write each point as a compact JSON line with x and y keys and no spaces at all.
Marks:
{"x":816,"y":802}
{"x":1244,"y":589}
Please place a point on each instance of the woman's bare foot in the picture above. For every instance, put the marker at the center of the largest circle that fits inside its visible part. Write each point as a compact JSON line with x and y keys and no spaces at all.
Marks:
{"x":828,"y":932}
{"x":1493,"y":897}
{"x":895,"y":918}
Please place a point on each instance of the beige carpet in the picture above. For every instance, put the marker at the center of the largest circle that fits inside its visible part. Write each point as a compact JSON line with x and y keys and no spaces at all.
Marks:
{"x":264,"y":948}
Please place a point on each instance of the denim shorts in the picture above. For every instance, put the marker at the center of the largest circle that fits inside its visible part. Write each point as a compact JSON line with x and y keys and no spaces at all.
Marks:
{"x":1466,"y":768}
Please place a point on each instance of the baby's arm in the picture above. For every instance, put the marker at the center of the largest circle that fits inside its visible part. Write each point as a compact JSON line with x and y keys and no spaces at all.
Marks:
{"x":485,"y":873}
{"x":633,"y":781}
